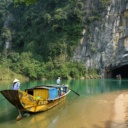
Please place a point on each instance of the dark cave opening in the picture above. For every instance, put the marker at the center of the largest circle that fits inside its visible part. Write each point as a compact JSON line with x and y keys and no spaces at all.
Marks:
{"x":123,"y":71}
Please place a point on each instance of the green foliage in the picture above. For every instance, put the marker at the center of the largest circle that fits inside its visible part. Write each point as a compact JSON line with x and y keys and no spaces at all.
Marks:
{"x":93,"y":48}
{"x":47,"y":18}
{"x":7,"y":74}
{"x":105,"y":2}
{"x":94,"y":15}
{"x":27,"y":2}
{"x":6,"y":34}
{"x":93,"y":71}
{"x":3,"y":10}
{"x":25,"y":64}
{"x":44,"y":37}
{"x":47,"y":28}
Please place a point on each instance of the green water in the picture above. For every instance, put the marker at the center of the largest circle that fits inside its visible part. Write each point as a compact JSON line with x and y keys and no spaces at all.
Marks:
{"x":92,"y":109}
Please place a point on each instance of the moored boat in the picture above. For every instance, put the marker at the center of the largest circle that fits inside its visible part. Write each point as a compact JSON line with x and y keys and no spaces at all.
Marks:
{"x":36,"y":99}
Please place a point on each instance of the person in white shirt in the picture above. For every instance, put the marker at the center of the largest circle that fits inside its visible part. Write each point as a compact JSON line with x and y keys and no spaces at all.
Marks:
{"x":16,"y":84}
{"x":58,"y":81}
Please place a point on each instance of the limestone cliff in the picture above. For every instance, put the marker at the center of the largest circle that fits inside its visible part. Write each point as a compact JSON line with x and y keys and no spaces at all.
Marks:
{"x":105,"y":42}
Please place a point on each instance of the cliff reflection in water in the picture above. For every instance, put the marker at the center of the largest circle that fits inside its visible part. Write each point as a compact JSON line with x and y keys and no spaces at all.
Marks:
{"x":96,"y":86}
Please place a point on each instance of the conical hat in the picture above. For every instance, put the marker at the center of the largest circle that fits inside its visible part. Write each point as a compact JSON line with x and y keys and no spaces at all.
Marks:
{"x":16,"y":80}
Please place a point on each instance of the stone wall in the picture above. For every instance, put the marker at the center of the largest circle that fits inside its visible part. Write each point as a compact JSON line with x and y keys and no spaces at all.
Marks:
{"x":104,"y":44}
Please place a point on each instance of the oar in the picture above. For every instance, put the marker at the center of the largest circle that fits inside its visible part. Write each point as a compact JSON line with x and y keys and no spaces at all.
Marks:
{"x":75,"y":92}
{"x":19,"y":117}
{"x":72,"y":90}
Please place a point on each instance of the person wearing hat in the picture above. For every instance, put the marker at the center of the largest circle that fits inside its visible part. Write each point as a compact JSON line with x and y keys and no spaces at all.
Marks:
{"x":16,"y":84}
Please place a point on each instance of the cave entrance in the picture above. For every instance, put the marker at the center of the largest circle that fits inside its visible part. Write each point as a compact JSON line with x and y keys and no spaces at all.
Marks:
{"x":123,"y":71}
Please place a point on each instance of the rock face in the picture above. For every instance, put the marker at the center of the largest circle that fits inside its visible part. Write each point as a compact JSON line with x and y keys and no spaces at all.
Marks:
{"x":105,"y":43}
{"x":8,"y":39}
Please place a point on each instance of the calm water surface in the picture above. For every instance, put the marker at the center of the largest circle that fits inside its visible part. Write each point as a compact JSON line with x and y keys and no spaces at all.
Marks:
{"x":92,"y":109}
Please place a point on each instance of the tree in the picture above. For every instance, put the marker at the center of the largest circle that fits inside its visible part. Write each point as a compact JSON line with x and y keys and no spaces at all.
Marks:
{"x":27,"y":2}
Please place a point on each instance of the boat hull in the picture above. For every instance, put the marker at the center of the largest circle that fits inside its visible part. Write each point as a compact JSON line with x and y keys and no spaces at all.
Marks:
{"x":28,"y":103}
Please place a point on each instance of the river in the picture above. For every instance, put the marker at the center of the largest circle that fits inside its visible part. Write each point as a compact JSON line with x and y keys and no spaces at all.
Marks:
{"x":92,"y":109}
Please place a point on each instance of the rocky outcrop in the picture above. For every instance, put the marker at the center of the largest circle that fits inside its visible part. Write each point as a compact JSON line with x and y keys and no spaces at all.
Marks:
{"x":105,"y":42}
{"x":7,"y":31}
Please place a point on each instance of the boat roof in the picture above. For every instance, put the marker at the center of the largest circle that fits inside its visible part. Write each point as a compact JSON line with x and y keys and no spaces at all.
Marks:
{"x":47,"y":86}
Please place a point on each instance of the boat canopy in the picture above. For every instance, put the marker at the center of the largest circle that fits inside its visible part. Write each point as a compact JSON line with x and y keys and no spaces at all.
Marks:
{"x":46,"y":92}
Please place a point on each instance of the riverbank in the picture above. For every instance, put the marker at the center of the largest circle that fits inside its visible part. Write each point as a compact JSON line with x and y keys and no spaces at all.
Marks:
{"x":120,"y":114}
{"x":7,"y":75}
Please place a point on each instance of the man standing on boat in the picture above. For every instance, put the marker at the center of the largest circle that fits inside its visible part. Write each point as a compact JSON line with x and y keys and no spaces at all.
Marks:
{"x":16,"y":84}
{"x":58,"y":81}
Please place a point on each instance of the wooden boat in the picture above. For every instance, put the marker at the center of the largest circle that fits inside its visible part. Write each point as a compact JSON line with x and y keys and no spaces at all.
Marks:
{"x":36,"y":99}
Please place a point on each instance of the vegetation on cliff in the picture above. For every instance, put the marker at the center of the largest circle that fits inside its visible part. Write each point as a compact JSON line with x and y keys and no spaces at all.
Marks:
{"x":43,"y":37}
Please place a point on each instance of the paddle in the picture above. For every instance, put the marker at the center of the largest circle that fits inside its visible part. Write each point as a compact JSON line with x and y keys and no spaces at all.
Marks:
{"x":75,"y":92}
{"x":19,"y":117}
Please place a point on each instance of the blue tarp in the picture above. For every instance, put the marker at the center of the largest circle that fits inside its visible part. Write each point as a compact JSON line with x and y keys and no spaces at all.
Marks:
{"x":53,"y":93}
